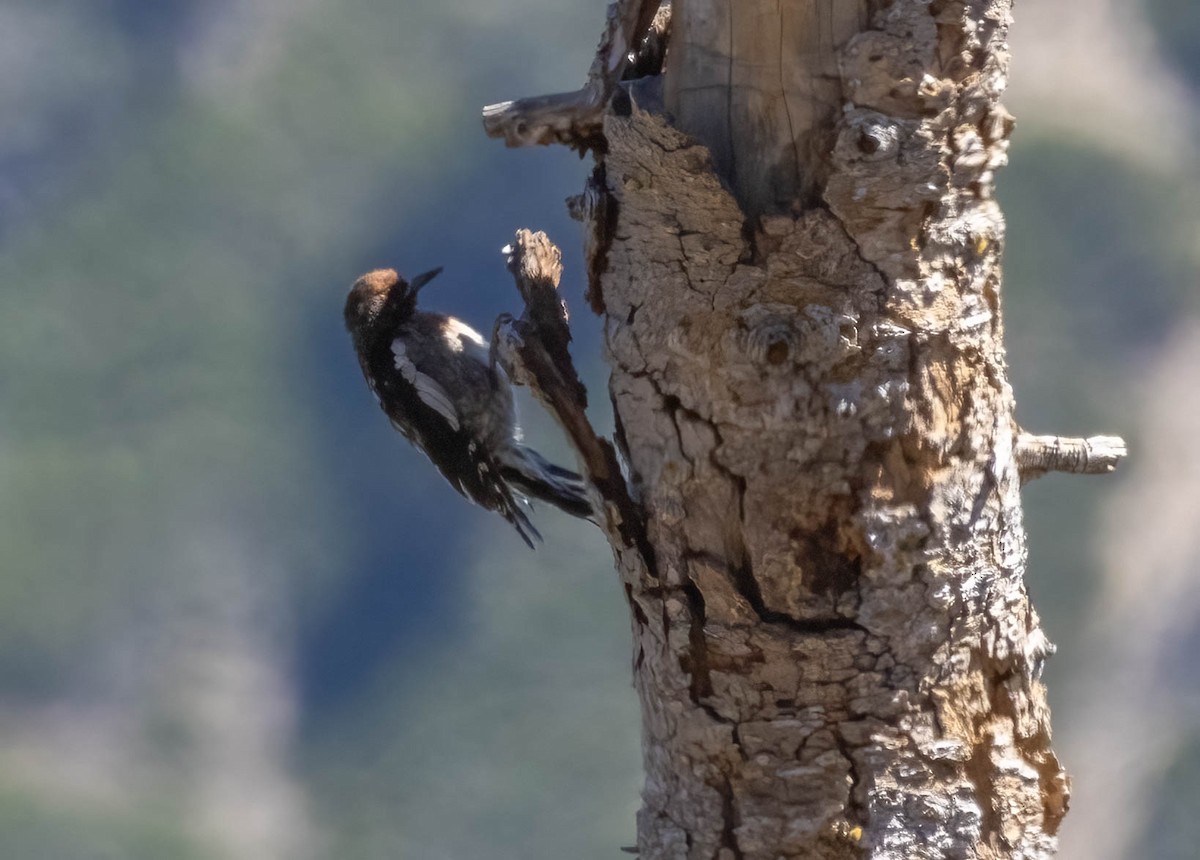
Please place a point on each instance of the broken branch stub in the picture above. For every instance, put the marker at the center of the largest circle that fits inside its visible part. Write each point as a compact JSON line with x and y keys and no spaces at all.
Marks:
{"x":534,"y":351}
{"x":1095,"y":455}
{"x":576,"y":119}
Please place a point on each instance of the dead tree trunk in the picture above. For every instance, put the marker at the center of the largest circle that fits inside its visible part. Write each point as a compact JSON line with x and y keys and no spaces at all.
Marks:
{"x":795,"y":248}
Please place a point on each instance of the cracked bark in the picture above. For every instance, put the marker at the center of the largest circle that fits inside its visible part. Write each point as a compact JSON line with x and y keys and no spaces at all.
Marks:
{"x":834,"y":649}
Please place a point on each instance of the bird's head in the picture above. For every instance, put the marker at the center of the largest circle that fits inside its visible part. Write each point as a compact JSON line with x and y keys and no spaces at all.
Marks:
{"x":379,"y":291}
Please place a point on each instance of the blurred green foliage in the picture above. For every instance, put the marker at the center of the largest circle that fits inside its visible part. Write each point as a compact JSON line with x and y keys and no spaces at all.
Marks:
{"x":65,"y":831}
{"x":516,"y":740}
{"x":1173,"y":831}
{"x":1096,"y":270}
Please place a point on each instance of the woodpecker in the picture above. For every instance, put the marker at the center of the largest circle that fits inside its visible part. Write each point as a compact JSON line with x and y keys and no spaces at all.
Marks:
{"x":436,"y":382}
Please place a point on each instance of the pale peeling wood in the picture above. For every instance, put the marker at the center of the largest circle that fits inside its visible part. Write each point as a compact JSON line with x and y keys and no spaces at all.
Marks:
{"x":758,"y":84}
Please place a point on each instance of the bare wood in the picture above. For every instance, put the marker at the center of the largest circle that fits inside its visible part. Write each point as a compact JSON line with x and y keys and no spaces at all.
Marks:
{"x":1095,"y":455}
{"x":758,"y":84}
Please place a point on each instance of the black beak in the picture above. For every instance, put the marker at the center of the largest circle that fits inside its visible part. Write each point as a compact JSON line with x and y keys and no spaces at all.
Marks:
{"x":423,"y":279}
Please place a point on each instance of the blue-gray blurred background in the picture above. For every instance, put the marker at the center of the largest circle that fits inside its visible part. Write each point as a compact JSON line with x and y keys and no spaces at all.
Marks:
{"x":241,"y":620}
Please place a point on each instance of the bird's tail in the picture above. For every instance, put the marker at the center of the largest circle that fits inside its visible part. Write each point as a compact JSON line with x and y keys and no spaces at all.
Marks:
{"x":520,"y":521}
{"x":534,"y":476}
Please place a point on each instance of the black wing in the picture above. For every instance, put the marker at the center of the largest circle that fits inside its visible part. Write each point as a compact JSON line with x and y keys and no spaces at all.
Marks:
{"x":423,"y":413}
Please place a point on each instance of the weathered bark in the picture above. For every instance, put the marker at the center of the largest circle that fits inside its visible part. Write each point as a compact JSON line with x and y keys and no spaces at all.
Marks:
{"x":821,"y":539}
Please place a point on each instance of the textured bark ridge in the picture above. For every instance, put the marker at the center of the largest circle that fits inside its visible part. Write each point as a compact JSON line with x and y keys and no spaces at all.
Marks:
{"x":837,"y":657}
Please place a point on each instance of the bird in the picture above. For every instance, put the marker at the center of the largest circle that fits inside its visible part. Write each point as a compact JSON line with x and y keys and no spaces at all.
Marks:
{"x":436,"y":381}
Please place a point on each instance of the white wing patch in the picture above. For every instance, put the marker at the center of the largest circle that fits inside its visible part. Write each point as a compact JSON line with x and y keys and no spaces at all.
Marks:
{"x":431,"y":394}
{"x":456,"y":331}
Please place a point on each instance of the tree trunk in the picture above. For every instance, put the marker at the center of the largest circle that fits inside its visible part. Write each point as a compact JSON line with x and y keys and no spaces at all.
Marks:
{"x":821,"y":540}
